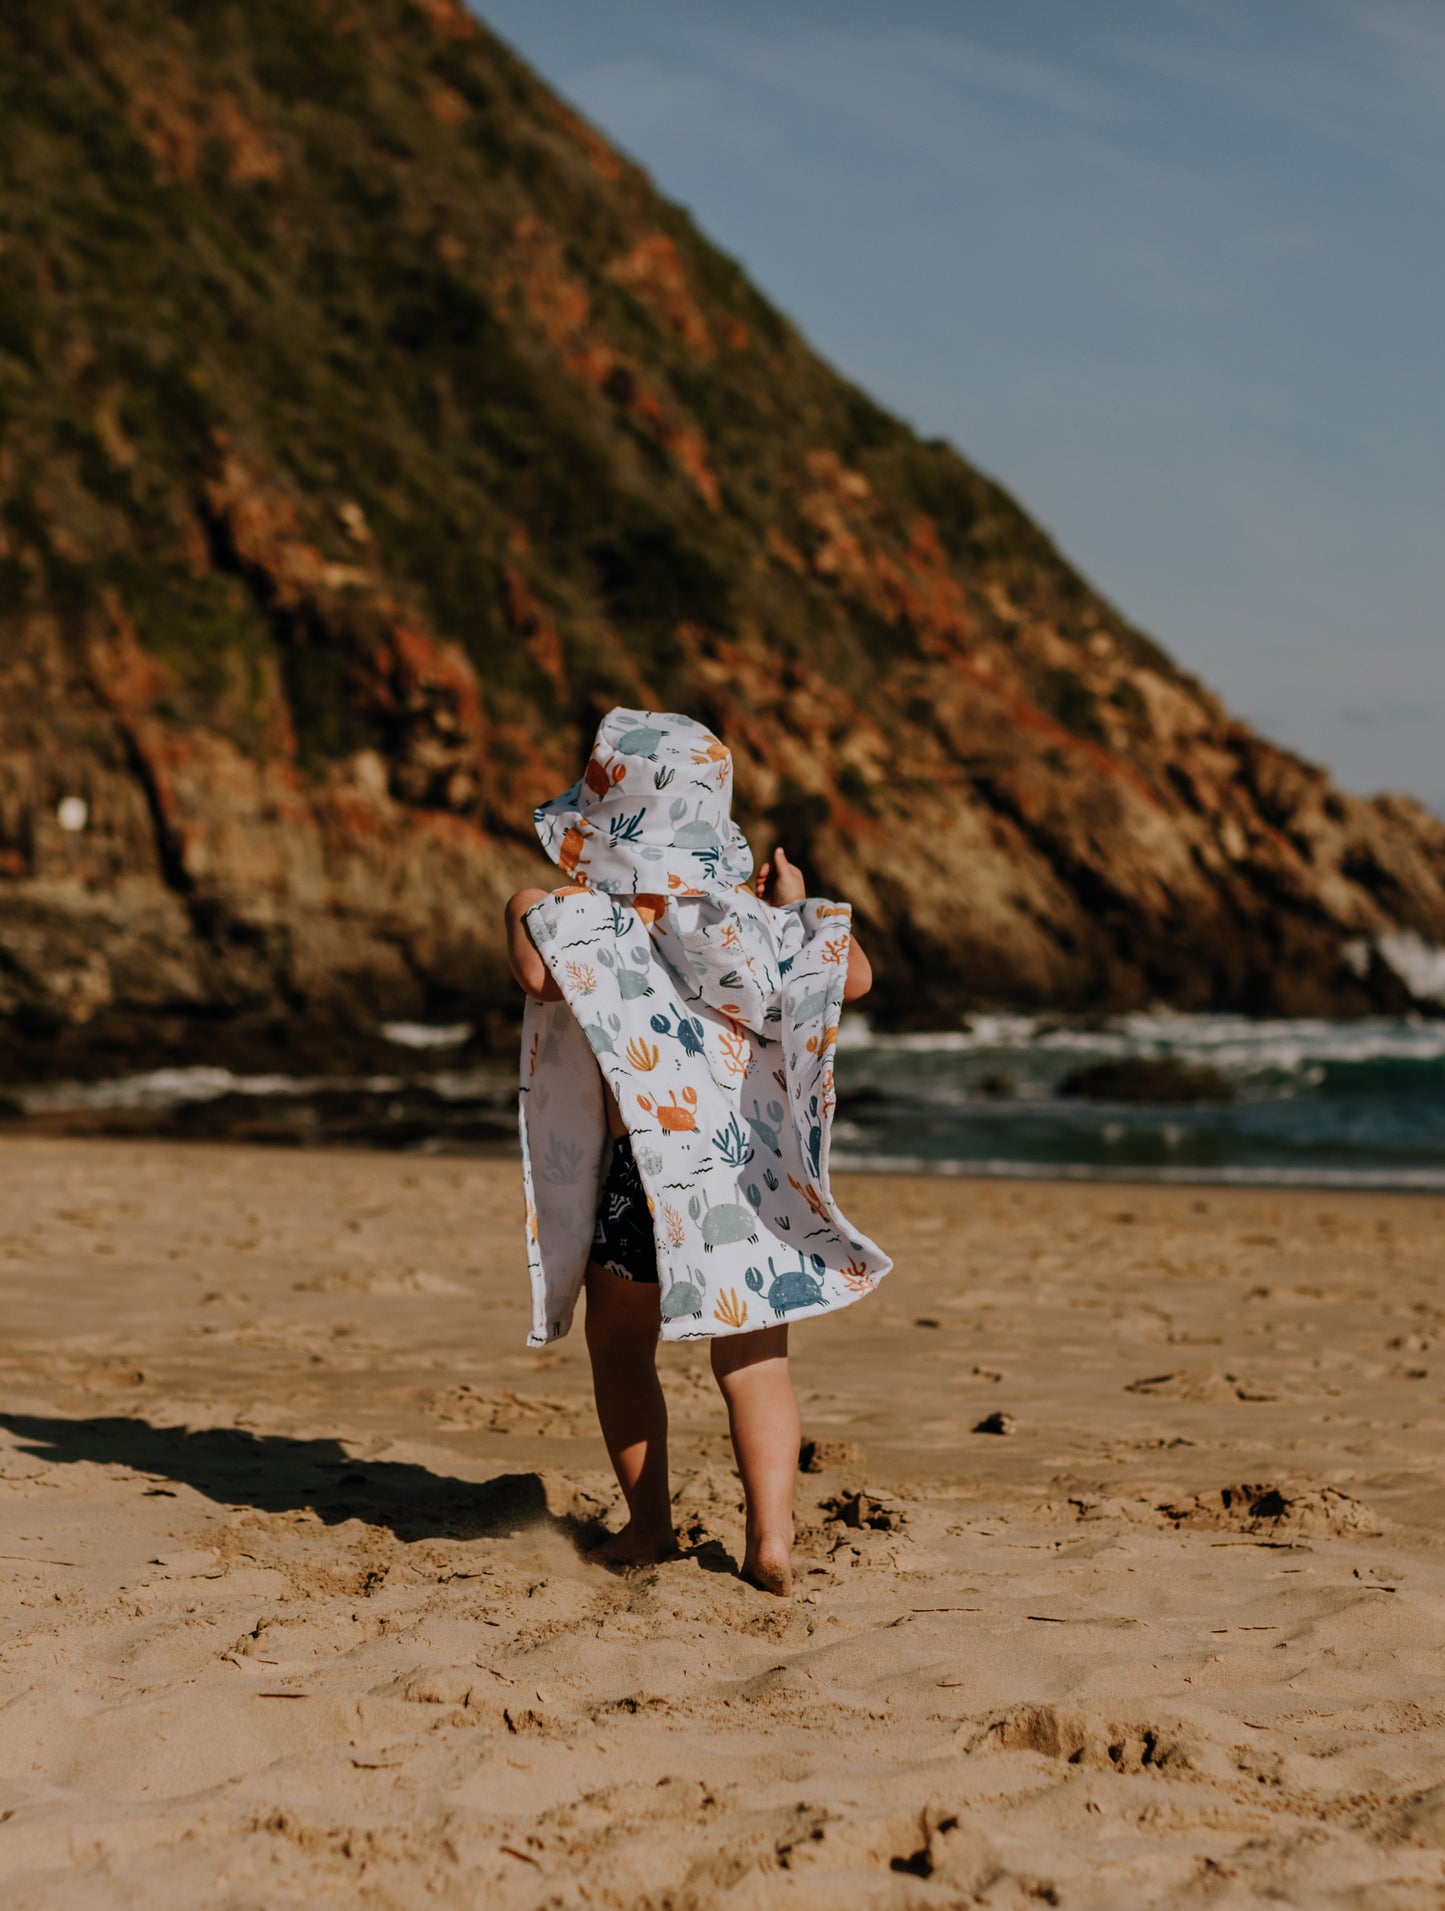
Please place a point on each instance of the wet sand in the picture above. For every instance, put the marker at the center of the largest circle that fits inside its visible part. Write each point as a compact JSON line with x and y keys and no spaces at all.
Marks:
{"x":293,"y":1611}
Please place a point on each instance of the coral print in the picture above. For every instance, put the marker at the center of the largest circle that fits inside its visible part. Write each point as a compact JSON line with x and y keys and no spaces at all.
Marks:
{"x":712,"y":1017}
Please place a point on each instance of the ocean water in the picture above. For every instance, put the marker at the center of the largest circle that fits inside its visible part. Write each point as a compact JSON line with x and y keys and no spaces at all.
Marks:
{"x":1354,"y":1104}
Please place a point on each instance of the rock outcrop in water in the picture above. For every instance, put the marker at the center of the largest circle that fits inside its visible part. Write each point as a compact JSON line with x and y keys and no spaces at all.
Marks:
{"x":370,"y":423}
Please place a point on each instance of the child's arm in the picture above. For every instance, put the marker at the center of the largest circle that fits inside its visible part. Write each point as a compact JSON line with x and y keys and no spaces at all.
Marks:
{"x":859,"y":977}
{"x":780,"y":882}
{"x":531,"y":971}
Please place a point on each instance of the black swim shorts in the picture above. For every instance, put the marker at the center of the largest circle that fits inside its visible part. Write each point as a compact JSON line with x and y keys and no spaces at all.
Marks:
{"x":623,"y":1242}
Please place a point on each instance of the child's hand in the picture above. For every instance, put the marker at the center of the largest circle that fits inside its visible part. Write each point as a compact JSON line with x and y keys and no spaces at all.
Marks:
{"x":780,"y":882}
{"x":531,"y":972}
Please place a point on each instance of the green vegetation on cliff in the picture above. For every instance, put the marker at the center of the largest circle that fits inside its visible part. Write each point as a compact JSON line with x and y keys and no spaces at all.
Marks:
{"x":367,"y":424}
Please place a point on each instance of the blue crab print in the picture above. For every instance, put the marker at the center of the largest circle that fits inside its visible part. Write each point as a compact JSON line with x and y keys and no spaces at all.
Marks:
{"x":642,"y":741}
{"x":722,"y":1225}
{"x":795,"y":1287}
{"x":696,"y":835}
{"x":688,"y":1032}
{"x":767,"y":1131}
{"x":630,"y":982}
{"x":684,"y":1297}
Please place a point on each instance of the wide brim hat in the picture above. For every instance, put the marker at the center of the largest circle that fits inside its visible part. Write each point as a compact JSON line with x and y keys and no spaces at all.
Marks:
{"x":651,"y":813}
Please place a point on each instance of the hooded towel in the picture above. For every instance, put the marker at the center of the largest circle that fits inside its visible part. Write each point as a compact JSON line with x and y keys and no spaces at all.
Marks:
{"x":714,"y":1017}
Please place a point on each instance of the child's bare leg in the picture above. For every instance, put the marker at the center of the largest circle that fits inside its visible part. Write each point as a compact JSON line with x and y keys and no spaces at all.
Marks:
{"x":752,"y":1370}
{"x":622,"y":1325}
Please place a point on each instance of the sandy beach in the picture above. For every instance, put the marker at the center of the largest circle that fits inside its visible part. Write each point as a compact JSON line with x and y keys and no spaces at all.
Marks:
{"x":294,"y":1613}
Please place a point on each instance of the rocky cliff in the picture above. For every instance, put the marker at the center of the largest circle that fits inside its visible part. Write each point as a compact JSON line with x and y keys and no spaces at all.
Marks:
{"x":368,"y":424}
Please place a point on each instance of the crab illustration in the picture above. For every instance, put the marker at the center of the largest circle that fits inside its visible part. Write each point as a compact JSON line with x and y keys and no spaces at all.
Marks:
{"x":684,"y":1297}
{"x":795,"y":1287}
{"x":688,"y":1032}
{"x":805,"y":1006}
{"x":696,"y":835}
{"x":600,"y":777}
{"x":767,"y":1131}
{"x":671,"y":1116}
{"x":723,"y":1225}
{"x":712,"y":752}
{"x":642,"y":741}
{"x":630,"y":982}
{"x":598,"y":1040}
{"x":569,"y":856}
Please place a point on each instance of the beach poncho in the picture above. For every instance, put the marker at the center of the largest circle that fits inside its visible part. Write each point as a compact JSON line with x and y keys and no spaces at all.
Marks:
{"x":714,"y":1018}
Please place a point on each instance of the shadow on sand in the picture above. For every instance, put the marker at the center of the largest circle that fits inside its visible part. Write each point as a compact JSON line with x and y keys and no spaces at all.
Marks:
{"x":277,"y":1475}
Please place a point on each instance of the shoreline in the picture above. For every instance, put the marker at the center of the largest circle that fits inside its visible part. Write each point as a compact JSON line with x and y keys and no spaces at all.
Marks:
{"x":497,"y":1145}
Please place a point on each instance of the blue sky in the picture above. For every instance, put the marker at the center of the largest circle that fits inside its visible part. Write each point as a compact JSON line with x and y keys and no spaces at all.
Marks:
{"x":1171,"y":270}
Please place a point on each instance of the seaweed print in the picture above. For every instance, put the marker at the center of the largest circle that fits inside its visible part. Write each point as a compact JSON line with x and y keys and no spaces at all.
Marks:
{"x":626,"y":829}
{"x":643,"y":1055}
{"x":562,"y":1163}
{"x":733,"y":1147}
{"x":582,"y":976}
{"x":811,"y":1196}
{"x":673,"y":1225}
{"x":813,"y":1144}
{"x":737,"y":1052}
{"x":835,"y":950}
{"x":730,"y":1310}
{"x":856,"y":1278}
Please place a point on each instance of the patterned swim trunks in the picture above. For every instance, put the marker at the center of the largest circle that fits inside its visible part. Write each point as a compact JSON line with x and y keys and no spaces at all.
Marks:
{"x":624,"y":1243}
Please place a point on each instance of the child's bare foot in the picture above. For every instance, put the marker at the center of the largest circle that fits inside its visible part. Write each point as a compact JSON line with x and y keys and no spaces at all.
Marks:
{"x":634,"y":1546}
{"x":770,"y":1569}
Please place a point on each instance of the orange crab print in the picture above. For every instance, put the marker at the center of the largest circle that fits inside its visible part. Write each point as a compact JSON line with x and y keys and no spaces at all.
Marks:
{"x":715,"y":752}
{"x":569,"y":856}
{"x":672,"y":1117}
{"x":600,"y":777}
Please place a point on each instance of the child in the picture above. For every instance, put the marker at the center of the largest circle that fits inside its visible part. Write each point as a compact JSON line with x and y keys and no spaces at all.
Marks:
{"x":661,"y":965}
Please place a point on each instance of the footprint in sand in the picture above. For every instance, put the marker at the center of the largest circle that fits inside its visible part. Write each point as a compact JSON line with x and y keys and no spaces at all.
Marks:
{"x":546,"y":1417}
{"x":1205,"y":1383}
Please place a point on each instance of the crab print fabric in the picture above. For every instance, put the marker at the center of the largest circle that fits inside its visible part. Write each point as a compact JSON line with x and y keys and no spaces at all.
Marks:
{"x":714,"y":1018}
